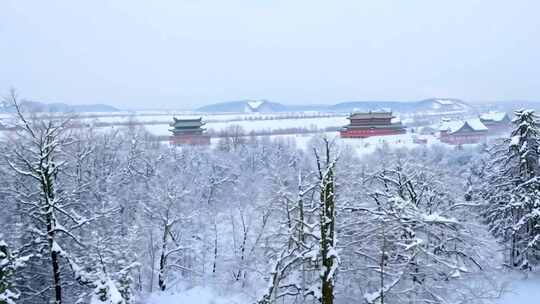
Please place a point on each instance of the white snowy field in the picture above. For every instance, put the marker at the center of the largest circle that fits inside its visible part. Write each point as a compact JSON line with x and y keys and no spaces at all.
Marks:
{"x":522,"y":290}
{"x":166,"y":116}
{"x":252,"y":122}
{"x":263,"y":125}
{"x":196,"y":295}
{"x":361,"y":145}
{"x":158,"y":123}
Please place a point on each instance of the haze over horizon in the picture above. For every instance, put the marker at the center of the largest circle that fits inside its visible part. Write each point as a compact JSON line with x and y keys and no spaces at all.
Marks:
{"x":185,"y":54}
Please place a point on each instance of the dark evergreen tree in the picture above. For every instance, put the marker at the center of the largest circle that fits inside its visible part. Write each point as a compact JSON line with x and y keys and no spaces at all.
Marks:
{"x":9,"y":264}
{"x":512,"y":191}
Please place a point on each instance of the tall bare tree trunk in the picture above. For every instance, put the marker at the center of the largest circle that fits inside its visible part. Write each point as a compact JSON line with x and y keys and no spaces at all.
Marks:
{"x":214,"y":264}
{"x":57,"y":283}
{"x":163,"y":259}
{"x":49,"y":200}
{"x":327,"y":226}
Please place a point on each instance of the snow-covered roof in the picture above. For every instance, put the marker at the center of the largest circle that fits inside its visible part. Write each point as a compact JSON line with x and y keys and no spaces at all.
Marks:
{"x":187,"y":118}
{"x":380,"y":110}
{"x":476,"y":124}
{"x":371,"y":114}
{"x":186,"y":122}
{"x":451,"y":126}
{"x":493,"y":116}
{"x":456,"y":125}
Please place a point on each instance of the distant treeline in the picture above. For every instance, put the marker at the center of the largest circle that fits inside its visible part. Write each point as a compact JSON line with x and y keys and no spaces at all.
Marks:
{"x":266,"y":132}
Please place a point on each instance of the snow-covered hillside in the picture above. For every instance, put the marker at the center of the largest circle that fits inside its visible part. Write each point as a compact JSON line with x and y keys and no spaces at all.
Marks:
{"x":265,"y":219}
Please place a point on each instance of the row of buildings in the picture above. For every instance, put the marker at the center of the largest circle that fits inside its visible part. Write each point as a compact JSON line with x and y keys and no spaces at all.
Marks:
{"x":380,"y":123}
{"x":369,"y":124}
{"x":475,"y":130}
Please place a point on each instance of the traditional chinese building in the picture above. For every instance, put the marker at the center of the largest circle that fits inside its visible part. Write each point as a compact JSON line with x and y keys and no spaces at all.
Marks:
{"x":188,"y":132}
{"x":367,"y":124}
{"x":471,"y":131}
{"x":496,"y":122}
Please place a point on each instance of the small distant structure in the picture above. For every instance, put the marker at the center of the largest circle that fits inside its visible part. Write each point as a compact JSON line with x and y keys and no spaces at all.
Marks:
{"x":420,"y":140}
{"x":496,"y":122}
{"x":372,"y":123}
{"x":257,"y":106}
{"x":444,"y":104}
{"x":427,"y":130}
{"x":188,"y":132}
{"x":470,"y":131}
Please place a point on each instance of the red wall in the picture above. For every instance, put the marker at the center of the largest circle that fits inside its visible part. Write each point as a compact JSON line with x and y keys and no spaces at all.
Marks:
{"x":189,"y":140}
{"x":463,"y":139}
{"x":369,"y":133}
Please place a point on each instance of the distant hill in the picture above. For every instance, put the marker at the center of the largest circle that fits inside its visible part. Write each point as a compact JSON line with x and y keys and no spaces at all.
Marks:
{"x":509,"y":105}
{"x":60,"y":107}
{"x":351,"y":106}
{"x":427,"y":105}
{"x":306,"y":108}
{"x":249,"y":106}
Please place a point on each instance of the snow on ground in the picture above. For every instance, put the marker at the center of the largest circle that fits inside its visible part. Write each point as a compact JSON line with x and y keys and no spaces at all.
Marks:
{"x":196,"y":295}
{"x":370,"y":144}
{"x":361,"y":145}
{"x":166,"y":116}
{"x":250,"y":122}
{"x":522,"y":290}
{"x":263,"y":125}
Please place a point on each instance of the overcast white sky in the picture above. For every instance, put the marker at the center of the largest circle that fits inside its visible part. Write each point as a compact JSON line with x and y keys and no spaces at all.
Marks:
{"x":186,"y":53}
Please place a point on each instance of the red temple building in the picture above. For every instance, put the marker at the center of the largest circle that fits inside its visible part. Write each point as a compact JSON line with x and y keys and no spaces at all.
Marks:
{"x":367,"y":124}
{"x":496,"y":122}
{"x":188,"y":132}
{"x":471,"y":131}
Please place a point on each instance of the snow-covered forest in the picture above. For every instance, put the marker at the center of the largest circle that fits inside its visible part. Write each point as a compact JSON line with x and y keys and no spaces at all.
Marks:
{"x":94,"y":216}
